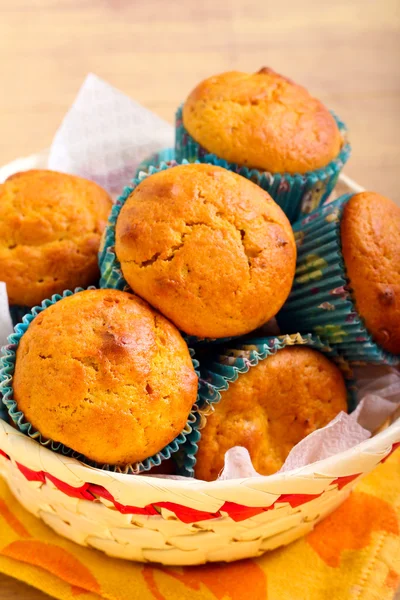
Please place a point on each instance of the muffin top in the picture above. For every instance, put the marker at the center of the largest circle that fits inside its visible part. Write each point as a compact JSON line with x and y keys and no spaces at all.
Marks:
{"x":262,"y":120}
{"x":50,"y":229}
{"x":208,"y":248}
{"x":106,"y":375}
{"x":370,"y":233}
{"x":270,"y":409}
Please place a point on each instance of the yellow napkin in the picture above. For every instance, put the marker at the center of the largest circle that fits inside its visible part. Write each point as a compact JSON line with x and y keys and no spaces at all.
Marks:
{"x":353,"y":555}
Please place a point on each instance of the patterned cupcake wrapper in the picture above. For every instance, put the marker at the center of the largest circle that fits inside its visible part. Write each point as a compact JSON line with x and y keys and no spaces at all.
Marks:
{"x":296,"y":194}
{"x":166,"y":155}
{"x":17,"y":312}
{"x":110,"y":267}
{"x":321,"y":298}
{"x":237,"y":360}
{"x":7,"y":366}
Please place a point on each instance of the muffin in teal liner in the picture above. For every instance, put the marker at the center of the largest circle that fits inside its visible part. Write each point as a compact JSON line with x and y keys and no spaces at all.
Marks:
{"x":323,"y":298}
{"x":227,"y":367}
{"x":166,"y":155}
{"x":110,"y":267}
{"x":7,"y":368}
{"x":297,"y":194}
{"x":204,"y":246}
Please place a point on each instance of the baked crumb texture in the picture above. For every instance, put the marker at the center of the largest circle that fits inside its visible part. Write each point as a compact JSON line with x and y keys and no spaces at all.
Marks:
{"x":208,"y":248}
{"x":370,"y":234}
{"x":270,"y":409}
{"x":262,"y":120}
{"x":104,"y":374}
{"x":50,"y":229}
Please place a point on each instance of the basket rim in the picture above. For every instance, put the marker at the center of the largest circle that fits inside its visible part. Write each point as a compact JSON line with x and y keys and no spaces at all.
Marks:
{"x":380,"y":444}
{"x":14,"y":443}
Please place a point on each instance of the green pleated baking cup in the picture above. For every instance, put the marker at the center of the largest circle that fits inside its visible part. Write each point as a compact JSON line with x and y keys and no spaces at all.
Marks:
{"x":17,"y":312}
{"x":321,"y":300}
{"x":296,"y":194}
{"x":166,"y":155}
{"x":110,"y":267}
{"x":7,"y":367}
{"x":227,"y":367}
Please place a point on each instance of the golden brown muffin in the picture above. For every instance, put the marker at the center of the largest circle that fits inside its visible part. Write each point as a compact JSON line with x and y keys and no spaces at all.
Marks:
{"x":370,"y":233}
{"x":262,"y":120}
{"x":106,"y":375}
{"x":210,"y":249}
{"x":50,"y":229}
{"x":270,"y":409}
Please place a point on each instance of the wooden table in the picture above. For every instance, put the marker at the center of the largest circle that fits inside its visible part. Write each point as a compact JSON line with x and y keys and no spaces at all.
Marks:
{"x":347,"y":54}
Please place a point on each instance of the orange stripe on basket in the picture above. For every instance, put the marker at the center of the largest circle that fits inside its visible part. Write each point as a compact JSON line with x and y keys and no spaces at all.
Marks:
{"x":12,"y":521}
{"x":341,"y":482}
{"x":186,"y":514}
{"x":394,"y":447}
{"x":31,"y":475}
{"x":238,"y":512}
{"x":81,"y":493}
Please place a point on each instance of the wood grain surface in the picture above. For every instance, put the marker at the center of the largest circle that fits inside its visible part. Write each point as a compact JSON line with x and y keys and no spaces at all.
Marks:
{"x":346,"y":53}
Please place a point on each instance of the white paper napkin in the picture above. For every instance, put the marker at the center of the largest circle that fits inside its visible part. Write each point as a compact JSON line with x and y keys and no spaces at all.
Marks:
{"x":105,"y":135}
{"x":5,"y":319}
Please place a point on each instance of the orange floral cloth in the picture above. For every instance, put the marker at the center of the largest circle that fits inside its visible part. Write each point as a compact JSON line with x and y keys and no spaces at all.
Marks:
{"x":353,"y":555}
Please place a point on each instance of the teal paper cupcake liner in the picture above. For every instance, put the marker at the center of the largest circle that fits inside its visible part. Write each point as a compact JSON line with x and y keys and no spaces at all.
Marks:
{"x":234,"y":361}
{"x":296,"y":194}
{"x":7,"y":366}
{"x":110,"y":267}
{"x":166,"y":155}
{"x":321,"y":297}
{"x":17,"y":312}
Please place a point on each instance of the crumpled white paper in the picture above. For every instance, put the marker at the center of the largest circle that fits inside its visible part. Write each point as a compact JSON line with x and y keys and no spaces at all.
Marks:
{"x":378,"y":398}
{"x":5,"y":319}
{"x":105,"y":135}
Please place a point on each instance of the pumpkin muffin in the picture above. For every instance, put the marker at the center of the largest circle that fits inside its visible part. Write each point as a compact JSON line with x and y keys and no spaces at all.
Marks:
{"x":262,"y":120}
{"x":270,"y":409}
{"x":104,"y":374}
{"x":208,"y":248}
{"x":50,"y":229}
{"x":370,"y":234}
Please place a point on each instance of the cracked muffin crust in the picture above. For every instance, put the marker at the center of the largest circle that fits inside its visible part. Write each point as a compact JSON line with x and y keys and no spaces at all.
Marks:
{"x":270,"y":409}
{"x":262,"y":120}
{"x":370,"y":234}
{"x":208,"y":248}
{"x":106,"y":375}
{"x":50,"y":229}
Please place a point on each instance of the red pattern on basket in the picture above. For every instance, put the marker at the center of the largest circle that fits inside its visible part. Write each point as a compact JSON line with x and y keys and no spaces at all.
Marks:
{"x":237,"y":512}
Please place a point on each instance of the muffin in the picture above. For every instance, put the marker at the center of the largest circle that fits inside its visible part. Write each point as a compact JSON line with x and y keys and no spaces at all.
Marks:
{"x":271,"y":408}
{"x":347,"y":284}
{"x":267,"y":128}
{"x":50,"y":229}
{"x":103,"y":374}
{"x":209,"y":249}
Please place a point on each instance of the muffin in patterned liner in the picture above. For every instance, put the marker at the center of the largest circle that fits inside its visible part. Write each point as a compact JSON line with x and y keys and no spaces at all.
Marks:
{"x":322,"y":300}
{"x":251,"y":238}
{"x":263,"y":126}
{"x":232,"y":362}
{"x":17,"y":417}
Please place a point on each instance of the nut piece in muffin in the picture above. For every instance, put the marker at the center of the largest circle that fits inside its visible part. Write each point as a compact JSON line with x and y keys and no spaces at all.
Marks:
{"x":370,"y":235}
{"x":50,"y":229}
{"x":270,"y":409}
{"x":262,"y":120}
{"x":107,"y":376}
{"x":208,"y":248}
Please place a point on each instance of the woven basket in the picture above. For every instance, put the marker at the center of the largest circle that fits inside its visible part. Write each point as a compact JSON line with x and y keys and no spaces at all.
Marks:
{"x":180,"y":522}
